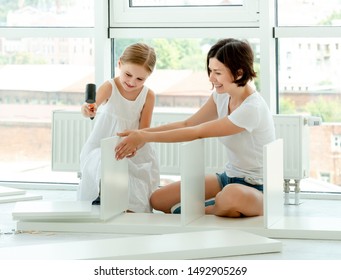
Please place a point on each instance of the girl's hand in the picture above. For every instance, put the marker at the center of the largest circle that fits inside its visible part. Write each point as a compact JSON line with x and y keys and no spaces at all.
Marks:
{"x":89,"y":110}
{"x":132,"y":154}
{"x":129,"y":145}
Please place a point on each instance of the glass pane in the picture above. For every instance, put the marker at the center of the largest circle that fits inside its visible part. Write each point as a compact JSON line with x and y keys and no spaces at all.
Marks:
{"x":61,"y":13}
{"x":38,"y":76}
{"x":174,"y":3}
{"x":309,"y":83}
{"x":180,"y":78}
{"x":309,"y":12}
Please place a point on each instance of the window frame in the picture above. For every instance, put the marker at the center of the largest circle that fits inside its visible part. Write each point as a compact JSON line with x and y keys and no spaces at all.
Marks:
{"x":123,"y":15}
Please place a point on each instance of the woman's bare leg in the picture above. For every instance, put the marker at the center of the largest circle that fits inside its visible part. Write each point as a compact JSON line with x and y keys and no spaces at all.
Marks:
{"x":164,"y":198}
{"x":236,"y":200}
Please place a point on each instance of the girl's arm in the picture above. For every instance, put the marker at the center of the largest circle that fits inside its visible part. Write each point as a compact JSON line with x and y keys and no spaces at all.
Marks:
{"x":145,"y":117}
{"x":147,"y":110}
{"x":102,"y":95}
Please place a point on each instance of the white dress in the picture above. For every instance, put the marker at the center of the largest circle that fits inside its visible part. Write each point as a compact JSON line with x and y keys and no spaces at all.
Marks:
{"x":115,"y":116}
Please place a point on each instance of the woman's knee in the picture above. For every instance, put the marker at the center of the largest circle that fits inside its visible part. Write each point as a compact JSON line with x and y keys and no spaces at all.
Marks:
{"x":155,"y":200}
{"x":163,"y":199}
{"x":230,"y":195}
{"x":236,"y":201}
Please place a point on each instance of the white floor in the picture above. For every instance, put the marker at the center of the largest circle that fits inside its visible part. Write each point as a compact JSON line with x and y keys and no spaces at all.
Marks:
{"x":293,"y":249}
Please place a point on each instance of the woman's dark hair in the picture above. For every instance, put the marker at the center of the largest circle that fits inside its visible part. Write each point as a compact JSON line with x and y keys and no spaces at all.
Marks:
{"x":236,"y":55}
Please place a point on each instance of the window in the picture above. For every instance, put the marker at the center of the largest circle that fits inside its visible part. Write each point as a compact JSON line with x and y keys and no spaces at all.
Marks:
{"x":183,"y":13}
{"x":44,"y":66}
{"x":63,"y":13}
{"x":336,"y":143}
{"x":308,"y":79}
{"x":48,"y":54}
{"x":174,"y":3}
{"x":38,"y":75}
{"x":180,"y":78}
{"x":309,"y":13}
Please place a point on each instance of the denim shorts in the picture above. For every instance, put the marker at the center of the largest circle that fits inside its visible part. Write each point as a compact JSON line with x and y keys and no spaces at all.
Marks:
{"x":224,"y":180}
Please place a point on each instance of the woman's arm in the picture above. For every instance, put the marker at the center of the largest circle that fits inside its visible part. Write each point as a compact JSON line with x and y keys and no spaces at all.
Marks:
{"x":214,"y":128}
{"x":206,"y":113}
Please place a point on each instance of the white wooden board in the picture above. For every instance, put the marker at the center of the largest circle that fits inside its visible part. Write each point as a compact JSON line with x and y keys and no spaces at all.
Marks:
{"x":114,"y":180}
{"x":50,"y":209}
{"x":21,"y":197}
{"x":190,"y":245}
{"x":192,"y":171}
{"x":114,"y":195}
{"x":273,"y":182}
{"x":5,"y":191}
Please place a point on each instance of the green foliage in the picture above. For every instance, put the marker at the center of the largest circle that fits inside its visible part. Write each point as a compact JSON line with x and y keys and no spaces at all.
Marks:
{"x":329,"y":111}
{"x":171,"y":53}
{"x":256,"y":67}
{"x":11,"y":5}
{"x":5,"y":7}
{"x":120,"y":45}
{"x":286,"y":106}
{"x":167,"y":54}
{"x":27,"y":58}
{"x":179,"y":54}
{"x":190,"y":54}
{"x":21,"y":58}
{"x":330,"y":18}
{"x":3,"y":60}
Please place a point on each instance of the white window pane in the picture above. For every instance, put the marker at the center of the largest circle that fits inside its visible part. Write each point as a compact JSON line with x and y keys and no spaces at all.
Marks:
{"x":62,"y":13}
{"x":309,"y":83}
{"x":180,"y":78}
{"x":309,"y":12}
{"x":170,"y":3}
{"x":38,"y":76}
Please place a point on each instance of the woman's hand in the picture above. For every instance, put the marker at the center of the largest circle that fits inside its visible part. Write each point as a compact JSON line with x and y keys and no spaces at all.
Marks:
{"x":129,"y":145}
{"x":89,"y":110}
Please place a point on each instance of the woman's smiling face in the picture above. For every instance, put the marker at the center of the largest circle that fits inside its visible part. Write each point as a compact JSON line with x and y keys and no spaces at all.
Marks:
{"x":220,"y":76}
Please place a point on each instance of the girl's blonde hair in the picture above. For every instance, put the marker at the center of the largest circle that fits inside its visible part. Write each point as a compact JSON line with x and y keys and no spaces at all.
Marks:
{"x":140,"y":54}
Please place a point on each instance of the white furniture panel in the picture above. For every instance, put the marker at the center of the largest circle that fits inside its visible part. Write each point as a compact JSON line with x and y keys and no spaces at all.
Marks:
{"x":190,"y":245}
{"x":114,"y":195}
{"x":273,"y":182}
{"x":192,"y":170}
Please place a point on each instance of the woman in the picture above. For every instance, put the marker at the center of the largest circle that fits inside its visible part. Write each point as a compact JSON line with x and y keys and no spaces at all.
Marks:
{"x":239,"y":116}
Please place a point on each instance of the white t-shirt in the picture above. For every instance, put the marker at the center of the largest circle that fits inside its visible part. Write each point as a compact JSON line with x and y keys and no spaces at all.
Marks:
{"x":245,"y":149}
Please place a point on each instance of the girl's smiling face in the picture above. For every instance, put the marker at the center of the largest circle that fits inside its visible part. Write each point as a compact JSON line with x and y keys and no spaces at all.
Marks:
{"x":220,"y":76}
{"x":132,"y":76}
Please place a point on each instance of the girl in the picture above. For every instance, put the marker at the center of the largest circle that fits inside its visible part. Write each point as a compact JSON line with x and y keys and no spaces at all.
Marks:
{"x":239,"y":116}
{"x":124,"y":103}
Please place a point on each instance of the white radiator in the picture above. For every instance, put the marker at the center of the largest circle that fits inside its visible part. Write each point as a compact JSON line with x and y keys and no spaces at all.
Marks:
{"x":71,"y":129}
{"x":69,"y":133}
{"x":169,"y":155}
{"x":295,"y":132}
